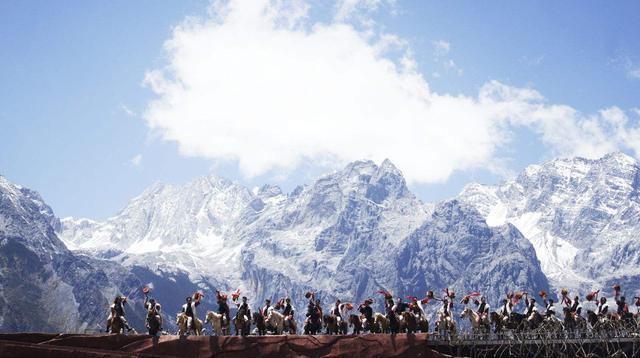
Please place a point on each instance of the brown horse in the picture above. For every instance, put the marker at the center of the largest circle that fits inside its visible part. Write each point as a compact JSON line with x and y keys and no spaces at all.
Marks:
{"x":356,"y":323}
{"x":409,"y":322}
{"x":260,"y":323}
{"x":243,"y":325}
{"x":181,"y":322}
{"x":153,"y":322}
{"x":331,"y":324}
{"x":116,"y":325}
{"x":381,"y":323}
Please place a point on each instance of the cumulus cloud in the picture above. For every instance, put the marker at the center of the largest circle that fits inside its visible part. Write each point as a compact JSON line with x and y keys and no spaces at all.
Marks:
{"x":259,"y":84}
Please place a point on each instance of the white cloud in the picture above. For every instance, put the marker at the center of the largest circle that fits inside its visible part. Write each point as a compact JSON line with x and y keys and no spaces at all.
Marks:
{"x":441,"y":47}
{"x":136,"y":160}
{"x":634,"y":72}
{"x":263,"y":86}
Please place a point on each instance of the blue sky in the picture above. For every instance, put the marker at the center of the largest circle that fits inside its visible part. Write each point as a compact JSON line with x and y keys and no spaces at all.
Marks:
{"x":78,"y":79}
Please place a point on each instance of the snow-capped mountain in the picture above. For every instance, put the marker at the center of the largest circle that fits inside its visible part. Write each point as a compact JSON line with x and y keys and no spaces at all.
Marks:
{"x":346,"y":235}
{"x":46,"y":287}
{"x":566,"y":223}
{"x":582,"y":216}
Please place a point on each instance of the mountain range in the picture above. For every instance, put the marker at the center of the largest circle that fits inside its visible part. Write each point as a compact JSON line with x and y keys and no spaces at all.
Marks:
{"x":565,"y":223}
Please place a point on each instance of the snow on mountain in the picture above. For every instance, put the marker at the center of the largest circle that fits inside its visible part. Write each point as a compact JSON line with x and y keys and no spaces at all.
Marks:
{"x":346,"y":235}
{"x":45,"y":287}
{"x":582,"y":216}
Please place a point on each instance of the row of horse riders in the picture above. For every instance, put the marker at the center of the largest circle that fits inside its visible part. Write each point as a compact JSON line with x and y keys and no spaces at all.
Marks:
{"x":399,"y":316}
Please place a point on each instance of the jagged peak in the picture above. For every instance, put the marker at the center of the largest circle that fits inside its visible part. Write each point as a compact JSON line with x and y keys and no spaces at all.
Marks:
{"x":269,"y":190}
{"x":388,"y":167}
{"x":618,"y":157}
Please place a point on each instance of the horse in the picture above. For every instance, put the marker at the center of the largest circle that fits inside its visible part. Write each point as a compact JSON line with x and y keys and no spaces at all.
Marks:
{"x":242,"y":324}
{"x":477,"y":323}
{"x":409,"y":322}
{"x":445,"y":325}
{"x":380,"y":323}
{"x":181,"y":322}
{"x":276,"y":320}
{"x":600,"y":324}
{"x":330,"y":324}
{"x":354,"y":321}
{"x":261,"y":326}
{"x":312,"y":326}
{"x":216,"y":322}
{"x":497,"y":321}
{"x":290,"y":325}
{"x":517,"y":322}
{"x":394,"y":323}
{"x":116,"y":325}
{"x":153,"y":322}
{"x":573,"y":322}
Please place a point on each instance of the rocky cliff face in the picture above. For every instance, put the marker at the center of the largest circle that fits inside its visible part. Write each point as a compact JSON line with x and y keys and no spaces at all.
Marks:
{"x":582,"y":216}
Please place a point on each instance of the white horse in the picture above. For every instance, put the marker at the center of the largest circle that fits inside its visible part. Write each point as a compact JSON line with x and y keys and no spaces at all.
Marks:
{"x":474,"y":318}
{"x":276,"y":320}
{"x":215,"y":319}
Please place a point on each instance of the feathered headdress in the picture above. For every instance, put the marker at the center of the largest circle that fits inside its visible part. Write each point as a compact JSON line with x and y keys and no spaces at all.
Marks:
{"x":450,"y":294}
{"x":309,"y":294}
{"x":517,"y":297}
{"x":592,"y":295}
{"x":235,"y":295}
{"x":387,"y":294}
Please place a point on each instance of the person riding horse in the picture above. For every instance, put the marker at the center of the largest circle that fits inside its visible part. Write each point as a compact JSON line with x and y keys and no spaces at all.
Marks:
{"x":189,"y":309}
{"x":483,"y":309}
{"x":399,"y":307}
{"x":603,"y":308}
{"x":340,"y":312}
{"x":366,"y":310}
{"x":550,"y":312}
{"x":117,"y":312}
{"x":153,"y":311}
{"x":505,"y":310}
{"x":288,"y":312}
{"x":576,"y":307}
{"x":223,"y":308}
{"x":244,"y":310}
{"x":414,"y":308}
{"x":531,"y":310}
